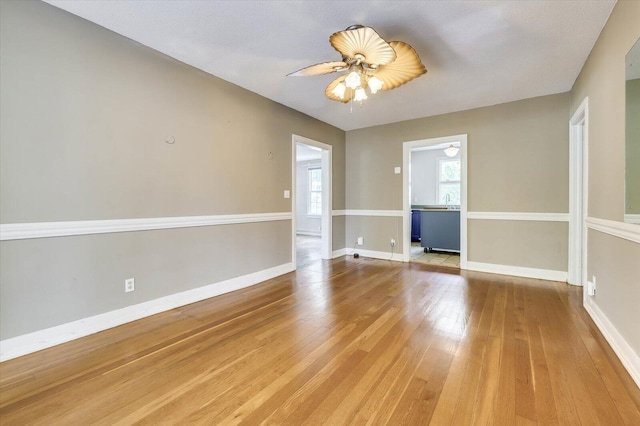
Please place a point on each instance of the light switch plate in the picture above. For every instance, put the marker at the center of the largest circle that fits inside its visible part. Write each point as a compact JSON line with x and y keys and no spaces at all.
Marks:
{"x":397,"y":170}
{"x":287,"y":193}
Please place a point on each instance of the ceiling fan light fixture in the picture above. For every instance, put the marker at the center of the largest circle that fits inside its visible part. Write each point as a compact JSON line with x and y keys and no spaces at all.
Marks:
{"x":451,"y":151}
{"x":339,"y":90}
{"x":367,"y":61}
{"x":353,"y":80}
{"x":375,"y":84}
{"x":360,"y":95}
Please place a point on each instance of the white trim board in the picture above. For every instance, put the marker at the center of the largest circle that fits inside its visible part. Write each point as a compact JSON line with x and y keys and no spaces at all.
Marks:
{"x":578,"y":194}
{"x":20,"y":231}
{"x":518,"y":271}
{"x":382,"y":255}
{"x":339,"y":253}
{"x":384,"y":213}
{"x":627,"y":231}
{"x":42,"y":339}
{"x":536,"y":217}
{"x":630,"y":360}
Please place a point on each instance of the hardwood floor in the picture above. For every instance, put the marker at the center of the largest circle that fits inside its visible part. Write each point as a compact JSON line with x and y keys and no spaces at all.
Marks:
{"x":348,"y":341}
{"x":308,"y":250}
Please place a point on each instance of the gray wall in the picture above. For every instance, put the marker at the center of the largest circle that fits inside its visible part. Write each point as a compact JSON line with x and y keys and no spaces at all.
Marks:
{"x":305,"y":224}
{"x":614,"y":261}
{"x":84,"y":115}
{"x":518,"y":157}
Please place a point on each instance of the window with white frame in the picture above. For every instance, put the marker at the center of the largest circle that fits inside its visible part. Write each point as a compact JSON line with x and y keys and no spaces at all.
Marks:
{"x":449,"y":181}
{"x":314,"y":206}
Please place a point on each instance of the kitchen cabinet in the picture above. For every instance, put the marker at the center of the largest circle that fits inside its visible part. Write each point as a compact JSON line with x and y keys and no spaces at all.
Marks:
{"x":440,"y":229}
{"x":415,"y":225}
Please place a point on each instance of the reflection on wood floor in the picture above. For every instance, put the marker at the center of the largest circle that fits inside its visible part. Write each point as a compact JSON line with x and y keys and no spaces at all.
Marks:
{"x":308,"y":250}
{"x":345,"y":341}
{"x":434,"y":258}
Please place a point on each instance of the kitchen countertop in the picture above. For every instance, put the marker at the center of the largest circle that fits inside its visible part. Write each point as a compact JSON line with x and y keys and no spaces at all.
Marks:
{"x":435,"y":209}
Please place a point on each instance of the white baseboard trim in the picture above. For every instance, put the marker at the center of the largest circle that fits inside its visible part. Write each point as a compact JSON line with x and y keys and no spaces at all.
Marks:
{"x":626,"y":354}
{"x":537,"y":217}
{"x":518,"y":271}
{"x":21,"y":231}
{"x":628,"y":231}
{"x":339,"y":253}
{"x":383,"y":255}
{"x":42,"y":339}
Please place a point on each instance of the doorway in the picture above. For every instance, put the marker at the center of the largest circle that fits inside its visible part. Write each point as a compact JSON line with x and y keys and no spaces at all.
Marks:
{"x":311,"y":201}
{"x":442,"y":199}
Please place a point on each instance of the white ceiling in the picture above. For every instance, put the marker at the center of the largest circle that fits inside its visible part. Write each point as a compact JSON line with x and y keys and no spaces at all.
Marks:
{"x":307,"y":152}
{"x":477,"y":53}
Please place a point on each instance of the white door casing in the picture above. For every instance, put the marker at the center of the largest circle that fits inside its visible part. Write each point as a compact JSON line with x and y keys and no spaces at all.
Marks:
{"x":578,"y":194}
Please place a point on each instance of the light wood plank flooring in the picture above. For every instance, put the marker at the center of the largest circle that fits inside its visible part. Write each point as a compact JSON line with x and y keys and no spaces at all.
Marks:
{"x":348,"y":341}
{"x":308,"y":250}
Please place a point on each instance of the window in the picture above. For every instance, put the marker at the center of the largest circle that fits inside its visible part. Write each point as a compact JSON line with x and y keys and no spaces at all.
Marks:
{"x":314,"y":206}
{"x":449,"y":181}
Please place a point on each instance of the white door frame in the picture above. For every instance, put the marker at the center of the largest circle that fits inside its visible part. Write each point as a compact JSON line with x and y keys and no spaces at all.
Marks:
{"x":406,"y":195}
{"x":327,"y":208}
{"x":578,"y":194}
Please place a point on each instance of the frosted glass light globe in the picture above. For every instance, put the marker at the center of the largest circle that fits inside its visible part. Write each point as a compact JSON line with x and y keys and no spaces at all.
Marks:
{"x":353,"y":80}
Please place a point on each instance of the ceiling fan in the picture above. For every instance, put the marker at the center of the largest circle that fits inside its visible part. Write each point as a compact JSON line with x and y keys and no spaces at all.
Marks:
{"x":370,"y":63}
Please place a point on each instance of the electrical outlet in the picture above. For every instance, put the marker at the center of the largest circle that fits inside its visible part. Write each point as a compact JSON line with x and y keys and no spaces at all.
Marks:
{"x":360,"y":241}
{"x":129,"y":285}
{"x":591,"y":286}
{"x":393,"y":242}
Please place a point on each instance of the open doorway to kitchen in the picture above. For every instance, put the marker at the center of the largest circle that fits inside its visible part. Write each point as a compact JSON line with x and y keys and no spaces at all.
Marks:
{"x":311,"y":203}
{"x":435,"y":202}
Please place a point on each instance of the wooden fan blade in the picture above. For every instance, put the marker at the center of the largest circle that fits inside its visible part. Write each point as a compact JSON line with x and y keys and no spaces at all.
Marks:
{"x":405,"y":68}
{"x":329,"y":91}
{"x":319,"y":69}
{"x":364,"y":41}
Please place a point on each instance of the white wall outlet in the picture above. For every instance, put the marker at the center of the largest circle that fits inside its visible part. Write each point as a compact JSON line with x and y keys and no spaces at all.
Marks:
{"x":287,"y":193}
{"x":393,"y":242}
{"x":591,"y":286}
{"x":397,"y":170}
{"x":360,"y":241}
{"x":129,"y":285}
